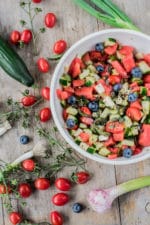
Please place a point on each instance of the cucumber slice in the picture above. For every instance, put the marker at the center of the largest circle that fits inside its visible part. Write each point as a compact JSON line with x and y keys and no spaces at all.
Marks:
{"x":104,"y":151}
{"x":128,"y":142}
{"x":65,"y":80}
{"x":105,"y":113}
{"x":110,"y":42}
{"x":91,"y":150}
{"x":143,"y":91}
{"x":72,"y":111}
{"x":145,"y":68}
{"x":98,"y":145}
{"x":84,"y":146}
{"x":82,"y":125}
{"x":146,"y":107}
{"x":127,"y":122}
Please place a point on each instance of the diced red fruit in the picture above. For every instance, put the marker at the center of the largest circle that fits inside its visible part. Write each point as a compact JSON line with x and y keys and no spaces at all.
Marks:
{"x":136,"y":105}
{"x":69,"y":89}
{"x":75,"y":67}
{"x":126,"y":50}
{"x":86,"y":120}
{"x":144,"y":137}
{"x":109,"y":142}
{"x":86,"y":58}
{"x":110,"y":50}
{"x":114,"y":150}
{"x":65,"y":114}
{"x":146,"y":78}
{"x":84,"y":136}
{"x":134,"y":113}
{"x":137,"y":150}
{"x":62,"y":95}
{"x":114,"y":79}
{"x":112,"y":156}
{"x":119,"y":68}
{"x":85,"y":110}
{"x":118,"y":136}
{"x":86,"y":92}
{"x":4,"y":189}
{"x":78,"y":83}
{"x":95,"y":56}
{"x":114,"y":127}
{"x":101,"y":81}
{"x":147,"y":85}
{"x":134,"y":87}
{"x":147,"y":58}
{"x":128,"y":62}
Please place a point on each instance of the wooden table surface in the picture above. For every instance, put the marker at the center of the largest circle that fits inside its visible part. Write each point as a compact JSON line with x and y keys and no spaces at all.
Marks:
{"x":73,"y":24}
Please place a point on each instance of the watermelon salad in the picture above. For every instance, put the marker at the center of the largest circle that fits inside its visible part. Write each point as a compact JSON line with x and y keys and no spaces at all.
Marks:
{"x":105,"y":97}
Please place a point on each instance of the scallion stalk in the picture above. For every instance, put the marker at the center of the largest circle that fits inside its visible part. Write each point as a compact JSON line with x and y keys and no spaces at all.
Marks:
{"x":107,"y":12}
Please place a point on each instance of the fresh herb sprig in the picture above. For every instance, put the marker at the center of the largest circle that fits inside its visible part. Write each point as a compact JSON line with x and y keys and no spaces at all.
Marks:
{"x":107,"y":12}
{"x":31,"y":12}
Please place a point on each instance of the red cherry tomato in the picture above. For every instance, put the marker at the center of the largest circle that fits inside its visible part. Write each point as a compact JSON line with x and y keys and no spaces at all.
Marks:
{"x":82,"y":177}
{"x":60,"y":199}
{"x":4,"y":189}
{"x":28,"y":165}
{"x":15,"y":218}
{"x":25,"y":190}
{"x":42,"y":183}
{"x":28,"y":100}
{"x":59,"y":46}
{"x":56,"y":218}
{"x":36,"y":1}
{"x":15,"y":36}
{"x":45,"y":114}
{"x":45,"y":93}
{"x":63,"y":184}
{"x":43,"y":65}
{"x":26,"y":36}
{"x":50,"y":20}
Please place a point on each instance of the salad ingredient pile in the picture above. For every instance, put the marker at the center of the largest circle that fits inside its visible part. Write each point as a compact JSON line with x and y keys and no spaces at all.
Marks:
{"x":105,"y":97}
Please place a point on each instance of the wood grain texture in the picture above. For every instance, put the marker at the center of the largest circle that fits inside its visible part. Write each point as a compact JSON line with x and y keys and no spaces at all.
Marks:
{"x":73,"y":23}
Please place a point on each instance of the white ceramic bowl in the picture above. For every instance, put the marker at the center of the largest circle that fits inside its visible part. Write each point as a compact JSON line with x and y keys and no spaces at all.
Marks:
{"x":128,"y":37}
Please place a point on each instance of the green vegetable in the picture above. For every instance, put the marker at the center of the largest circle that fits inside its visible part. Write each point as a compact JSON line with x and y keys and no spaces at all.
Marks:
{"x":107,"y":12}
{"x":144,"y":67}
{"x":13,"y":65}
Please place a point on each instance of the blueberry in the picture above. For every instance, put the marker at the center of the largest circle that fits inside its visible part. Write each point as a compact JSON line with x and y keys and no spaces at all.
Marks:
{"x":93,"y":106}
{"x":99,"y":68}
{"x":136,"y":72}
{"x":117,"y":87}
{"x":77,"y":207}
{"x":71,"y":100}
{"x":99,"y":47}
{"x":127,"y":152}
{"x":70,"y":123}
{"x":24,"y":139}
{"x":132,"y":97}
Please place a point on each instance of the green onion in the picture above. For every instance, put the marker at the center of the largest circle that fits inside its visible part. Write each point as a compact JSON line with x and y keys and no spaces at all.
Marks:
{"x":107,"y":12}
{"x":101,"y":199}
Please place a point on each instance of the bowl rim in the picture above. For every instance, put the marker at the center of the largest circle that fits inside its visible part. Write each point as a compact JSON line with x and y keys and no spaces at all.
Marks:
{"x":133,"y":159}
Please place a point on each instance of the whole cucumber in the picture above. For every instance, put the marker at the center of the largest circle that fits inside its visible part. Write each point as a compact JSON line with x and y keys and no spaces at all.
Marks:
{"x":13,"y":65}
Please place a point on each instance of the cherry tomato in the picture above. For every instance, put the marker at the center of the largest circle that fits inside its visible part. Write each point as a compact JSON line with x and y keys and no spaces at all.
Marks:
{"x":59,"y":47}
{"x":60,"y":199}
{"x":15,"y":36}
{"x":4,"y":190}
{"x":28,"y":100}
{"x":28,"y":165}
{"x":45,"y":114}
{"x":42,"y":183}
{"x":63,"y":184}
{"x":82,"y":177}
{"x":50,"y":20}
{"x":56,"y":218}
{"x":36,"y":1}
{"x":15,"y":217}
{"x":26,"y":36}
{"x":25,"y":190}
{"x":45,"y":93}
{"x":43,"y":65}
